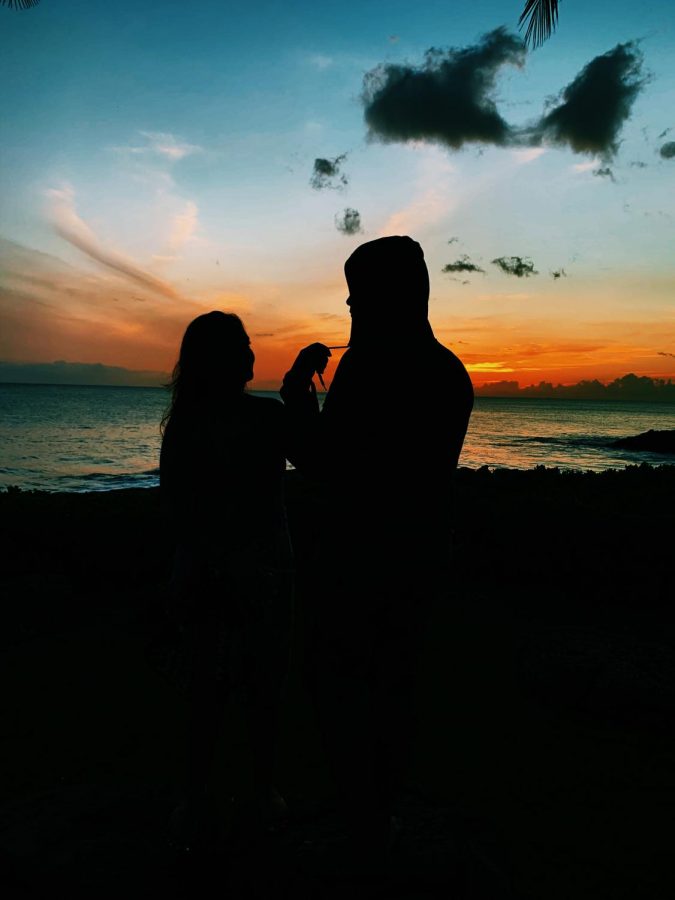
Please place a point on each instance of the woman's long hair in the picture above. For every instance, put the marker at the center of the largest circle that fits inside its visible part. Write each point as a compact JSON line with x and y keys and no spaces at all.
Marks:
{"x":214,"y":365}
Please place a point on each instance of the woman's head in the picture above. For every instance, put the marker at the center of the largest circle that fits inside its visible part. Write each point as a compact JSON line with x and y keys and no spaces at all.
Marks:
{"x":215,"y":360}
{"x":216,"y":352}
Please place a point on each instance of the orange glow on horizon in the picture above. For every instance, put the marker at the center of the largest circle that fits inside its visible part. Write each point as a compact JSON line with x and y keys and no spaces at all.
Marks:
{"x":54,"y":312}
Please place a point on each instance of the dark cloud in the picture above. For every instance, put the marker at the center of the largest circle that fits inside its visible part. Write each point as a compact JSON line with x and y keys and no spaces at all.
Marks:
{"x":594,"y":107}
{"x":463,"y":264}
{"x":448,"y":99}
{"x":349,"y":221}
{"x":558,"y":273}
{"x":668,"y":150}
{"x":327,"y":173}
{"x":604,"y":172}
{"x":515,"y":265}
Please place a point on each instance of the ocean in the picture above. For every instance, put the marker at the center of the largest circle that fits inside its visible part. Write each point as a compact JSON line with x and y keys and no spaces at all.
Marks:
{"x":72,"y":438}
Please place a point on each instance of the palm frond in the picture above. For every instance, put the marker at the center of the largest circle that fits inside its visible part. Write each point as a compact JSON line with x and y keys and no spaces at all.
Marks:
{"x":19,"y":4}
{"x":543,"y":18}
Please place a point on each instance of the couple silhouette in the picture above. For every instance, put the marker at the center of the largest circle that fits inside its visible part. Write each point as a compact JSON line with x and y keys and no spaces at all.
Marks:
{"x":382,"y":451}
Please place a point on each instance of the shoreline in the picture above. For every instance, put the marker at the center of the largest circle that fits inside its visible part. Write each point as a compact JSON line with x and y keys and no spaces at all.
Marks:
{"x":463,"y":473}
{"x":527,"y":518}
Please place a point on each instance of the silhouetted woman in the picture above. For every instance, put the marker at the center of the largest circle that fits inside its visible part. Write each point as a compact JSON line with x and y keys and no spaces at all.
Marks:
{"x":222,"y":468}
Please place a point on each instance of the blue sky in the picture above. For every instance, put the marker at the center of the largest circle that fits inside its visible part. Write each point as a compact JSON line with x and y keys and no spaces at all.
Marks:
{"x":178,"y":141}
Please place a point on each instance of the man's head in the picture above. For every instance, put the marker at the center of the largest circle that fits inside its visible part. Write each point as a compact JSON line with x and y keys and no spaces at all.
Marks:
{"x":388,"y":284}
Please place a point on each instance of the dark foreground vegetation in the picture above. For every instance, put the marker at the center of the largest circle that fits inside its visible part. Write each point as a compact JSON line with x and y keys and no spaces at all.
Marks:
{"x":545,"y":762}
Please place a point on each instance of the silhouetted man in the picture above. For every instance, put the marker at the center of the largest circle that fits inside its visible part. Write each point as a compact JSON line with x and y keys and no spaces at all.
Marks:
{"x":385,"y":447}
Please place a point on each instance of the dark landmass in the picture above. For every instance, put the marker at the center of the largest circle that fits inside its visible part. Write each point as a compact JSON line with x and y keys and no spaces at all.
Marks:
{"x":629,"y":387}
{"x":545,"y":755}
{"x":61,"y":372}
{"x":653,"y":441}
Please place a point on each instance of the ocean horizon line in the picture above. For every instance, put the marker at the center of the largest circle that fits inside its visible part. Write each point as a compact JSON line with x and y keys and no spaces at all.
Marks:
{"x":481,"y":392}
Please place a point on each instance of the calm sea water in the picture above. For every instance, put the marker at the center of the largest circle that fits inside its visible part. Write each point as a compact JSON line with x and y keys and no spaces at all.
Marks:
{"x":69,"y":438}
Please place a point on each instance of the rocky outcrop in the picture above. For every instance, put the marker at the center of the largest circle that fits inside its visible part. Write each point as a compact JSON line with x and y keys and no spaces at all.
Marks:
{"x":652,"y":441}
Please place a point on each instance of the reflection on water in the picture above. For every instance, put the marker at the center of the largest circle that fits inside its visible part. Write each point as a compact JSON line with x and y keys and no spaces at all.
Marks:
{"x":574,"y":434}
{"x":98,"y":438}
{"x":56,"y":437}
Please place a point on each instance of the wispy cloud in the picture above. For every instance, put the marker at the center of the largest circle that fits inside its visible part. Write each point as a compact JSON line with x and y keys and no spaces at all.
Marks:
{"x":162,"y":144}
{"x":489,"y":367}
{"x":436,"y":194}
{"x":587,"y":166}
{"x":320,"y":61}
{"x":183,"y":227}
{"x":67,"y":223}
{"x":499,"y":298}
{"x":528,"y":155}
{"x":51,"y":310}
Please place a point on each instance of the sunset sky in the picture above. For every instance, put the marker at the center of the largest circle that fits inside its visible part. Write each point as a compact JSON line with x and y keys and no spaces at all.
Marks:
{"x":157,"y":161}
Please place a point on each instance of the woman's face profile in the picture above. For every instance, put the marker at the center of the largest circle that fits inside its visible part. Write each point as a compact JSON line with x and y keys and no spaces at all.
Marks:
{"x":216,"y":352}
{"x":250,"y":358}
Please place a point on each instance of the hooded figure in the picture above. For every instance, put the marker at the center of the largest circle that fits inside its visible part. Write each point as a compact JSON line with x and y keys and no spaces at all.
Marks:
{"x":384,"y":448}
{"x":391,"y":429}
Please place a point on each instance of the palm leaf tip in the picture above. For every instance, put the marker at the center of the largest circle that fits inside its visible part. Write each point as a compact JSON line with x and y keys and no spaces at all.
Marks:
{"x":19,"y":4}
{"x":543,"y":18}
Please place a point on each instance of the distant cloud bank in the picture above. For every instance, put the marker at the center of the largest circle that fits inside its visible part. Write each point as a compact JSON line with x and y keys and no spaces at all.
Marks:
{"x":62,"y":372}
{"x":628,"y":387}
